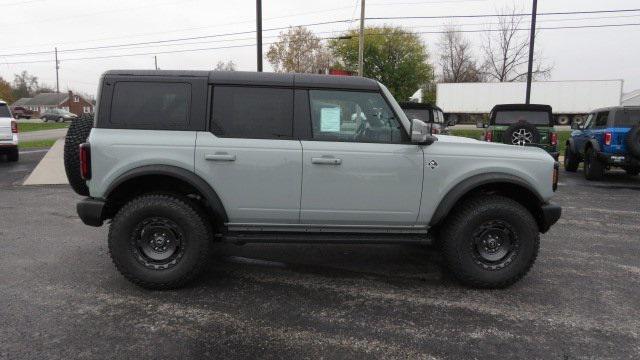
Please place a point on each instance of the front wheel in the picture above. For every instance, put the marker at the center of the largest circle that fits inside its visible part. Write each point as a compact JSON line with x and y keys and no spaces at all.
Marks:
{"x":160,"y":241}
{"x":60,"y":119}
{"x":633,"y":171}
{"x":490,"y":242}
{"x":14,"y":155}
{"x":571,"y":160}
{"x":44,"y":119}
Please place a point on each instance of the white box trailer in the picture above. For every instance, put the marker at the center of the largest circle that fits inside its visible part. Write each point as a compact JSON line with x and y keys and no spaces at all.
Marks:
{"x":570,"y":100}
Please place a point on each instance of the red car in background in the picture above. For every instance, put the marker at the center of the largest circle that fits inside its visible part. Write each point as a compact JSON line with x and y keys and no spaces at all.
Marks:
{"x":20,"y":112}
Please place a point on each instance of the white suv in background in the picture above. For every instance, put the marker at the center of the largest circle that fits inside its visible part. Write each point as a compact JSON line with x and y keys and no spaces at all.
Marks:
{"x":8,"y":133}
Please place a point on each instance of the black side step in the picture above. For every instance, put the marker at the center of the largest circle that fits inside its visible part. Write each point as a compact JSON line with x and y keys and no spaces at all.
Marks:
{"x":333,"y":238}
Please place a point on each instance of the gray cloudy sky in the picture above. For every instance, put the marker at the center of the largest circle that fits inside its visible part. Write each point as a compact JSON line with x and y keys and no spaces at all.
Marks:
{"x":40,"y":25}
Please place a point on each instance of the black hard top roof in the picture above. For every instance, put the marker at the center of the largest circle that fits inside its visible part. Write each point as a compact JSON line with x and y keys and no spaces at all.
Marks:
{"x":620,"y":107}
{"x":521,"y":107}
{"x":415,"y":105}
{"x":262,"y":78}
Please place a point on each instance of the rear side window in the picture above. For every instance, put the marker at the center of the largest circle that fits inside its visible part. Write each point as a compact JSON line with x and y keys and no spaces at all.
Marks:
{"x":627,"y":117}
{"x":252,"y":112}
{"x":532,"y":117}
{"x":4,"y":111}
{"x":157,"y":105}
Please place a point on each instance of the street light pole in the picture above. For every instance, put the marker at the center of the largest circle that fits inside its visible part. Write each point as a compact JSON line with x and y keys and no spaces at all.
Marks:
{"x":155,"y":60}
{"x":259,"y":32}
{"x":532,"y":38}
{"x":361,"y":41}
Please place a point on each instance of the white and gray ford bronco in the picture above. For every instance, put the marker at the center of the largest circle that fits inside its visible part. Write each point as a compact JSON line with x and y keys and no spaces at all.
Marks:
{"x":177,"y":160}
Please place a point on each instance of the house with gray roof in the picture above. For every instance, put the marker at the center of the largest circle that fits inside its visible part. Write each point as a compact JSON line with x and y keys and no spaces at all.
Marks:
{"x":67,"y":101}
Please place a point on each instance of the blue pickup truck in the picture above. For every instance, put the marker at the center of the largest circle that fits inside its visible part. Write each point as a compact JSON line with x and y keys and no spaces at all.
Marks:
{"x":610,"y":137}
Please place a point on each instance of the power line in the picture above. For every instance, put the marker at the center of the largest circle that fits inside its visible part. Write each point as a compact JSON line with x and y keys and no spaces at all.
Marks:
{"x":325,"y":38}
{"x":500,"y":15}
{"x":316,"y":24}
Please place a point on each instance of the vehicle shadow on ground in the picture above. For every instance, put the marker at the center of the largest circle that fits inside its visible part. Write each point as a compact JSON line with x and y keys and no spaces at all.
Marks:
{"x":393,"y":264}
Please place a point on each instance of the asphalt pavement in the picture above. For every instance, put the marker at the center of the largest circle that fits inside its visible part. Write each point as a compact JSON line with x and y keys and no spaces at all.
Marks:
{"x":62,"y":298}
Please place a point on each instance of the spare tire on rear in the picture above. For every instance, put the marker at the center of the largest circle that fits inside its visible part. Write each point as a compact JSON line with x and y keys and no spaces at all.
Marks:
{"x":77,"y":134}
{"x":633,"y":141}
{"x":521,"y":133}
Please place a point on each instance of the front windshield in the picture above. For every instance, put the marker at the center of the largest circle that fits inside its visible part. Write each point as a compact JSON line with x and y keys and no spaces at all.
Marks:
{"x":513,"y":117}
{"x":4,"y":111}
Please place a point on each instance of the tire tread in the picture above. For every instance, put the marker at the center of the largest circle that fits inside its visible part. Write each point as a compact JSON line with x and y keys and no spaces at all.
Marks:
{"x":179,"y":204}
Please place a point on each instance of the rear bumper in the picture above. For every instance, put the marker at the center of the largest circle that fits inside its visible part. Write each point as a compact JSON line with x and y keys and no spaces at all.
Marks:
{"x":91,"y":211}
{"x":619,"y":159}
{"x":8,"y":146}
{"x":550,"y":215}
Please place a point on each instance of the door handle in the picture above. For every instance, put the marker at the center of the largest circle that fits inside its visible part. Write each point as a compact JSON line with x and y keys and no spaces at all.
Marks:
{"x":220,"y":157}
{"x":326,"y":161}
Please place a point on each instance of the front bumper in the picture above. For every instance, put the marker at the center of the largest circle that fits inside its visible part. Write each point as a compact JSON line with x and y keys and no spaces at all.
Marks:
{"x":550,"y":214}
{"x":91,"y":211}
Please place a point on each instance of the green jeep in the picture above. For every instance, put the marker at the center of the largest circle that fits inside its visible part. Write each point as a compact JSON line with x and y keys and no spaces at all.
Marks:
{"x":522,"y":125}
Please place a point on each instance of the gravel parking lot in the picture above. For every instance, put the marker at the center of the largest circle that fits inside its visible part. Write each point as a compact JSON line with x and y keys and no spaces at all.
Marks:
{"x":62,"y":298}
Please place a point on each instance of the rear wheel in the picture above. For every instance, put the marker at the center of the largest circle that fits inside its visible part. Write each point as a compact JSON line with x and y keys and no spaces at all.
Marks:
{"x":571,"y":161}
{"x":160,"y":241}
{"x":593,"y":168}
{"x":490,"y":242}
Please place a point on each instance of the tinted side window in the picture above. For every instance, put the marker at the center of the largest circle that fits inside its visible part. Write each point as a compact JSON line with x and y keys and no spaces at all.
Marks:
{"x":601,"y":119}
{"x":627,"y":117}
{"x":353,"y":116}
{"x":252,"y":112}
{"x":157,"y":105}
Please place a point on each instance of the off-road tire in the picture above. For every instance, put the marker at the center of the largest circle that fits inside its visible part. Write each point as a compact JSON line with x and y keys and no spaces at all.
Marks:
{"x":593,"y":168}
{"x":77,"y":134}
{"x":633,"y":171}
{"x":632,"y":141}
{"x":13,"y":155}
{"x":507,"y":135}
{"x":571,"y":160}
{"x":457,"y":241}
{"x":196,"y":234}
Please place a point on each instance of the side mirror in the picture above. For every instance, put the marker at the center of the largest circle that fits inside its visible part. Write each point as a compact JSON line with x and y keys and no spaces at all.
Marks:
{"x":480,"y":124}
{"x":421,"y":133}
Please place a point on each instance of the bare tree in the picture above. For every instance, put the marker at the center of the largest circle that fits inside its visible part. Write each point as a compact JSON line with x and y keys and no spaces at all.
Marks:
{"x":456,"y":58}
{"x":228,"y":66}
{"x":506,"y":51}
{"x":299,"y":50}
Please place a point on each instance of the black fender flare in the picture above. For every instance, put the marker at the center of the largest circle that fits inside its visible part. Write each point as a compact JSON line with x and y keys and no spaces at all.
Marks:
{"x":462,"y":188}
{"x":179,"y":173}
{"x":593,"y":143}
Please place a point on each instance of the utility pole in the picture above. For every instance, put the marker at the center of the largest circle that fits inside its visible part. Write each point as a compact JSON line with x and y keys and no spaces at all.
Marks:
{"x":259,"y":32}
{"x":361,"y":41}
{"x":532,"y":38}
{"x":155,"y":59}
{"x":57,"y":68}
